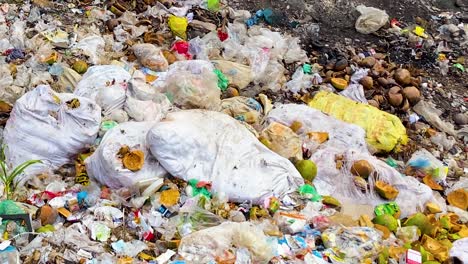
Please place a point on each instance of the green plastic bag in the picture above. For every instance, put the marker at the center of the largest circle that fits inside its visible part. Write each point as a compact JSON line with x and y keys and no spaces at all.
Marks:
{"x":9,"y":207}
{"x":309,"y":192}
{"x":199,"y":190}
{"x":223,"y":82}
{"x":213,"y":5}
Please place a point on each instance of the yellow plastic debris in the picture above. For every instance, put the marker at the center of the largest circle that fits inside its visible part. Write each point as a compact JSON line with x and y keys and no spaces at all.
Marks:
{"x":419,"y":31}
{"x":384,"y":131}
{"x":178,"y":26}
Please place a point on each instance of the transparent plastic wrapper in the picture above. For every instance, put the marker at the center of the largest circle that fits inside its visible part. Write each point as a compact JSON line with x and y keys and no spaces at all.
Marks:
{"x":106,"y":85}
{"x":211,"y":243}
{"x":432,"y":116}
{"x":243,"y":108}
{"x":214,"y":147}
{"x":272,"y":78}
{"x":371,"y":19}
{"x":294,"y":52}
{"x":144,"y":102}
{"x":237,"y":74}
{"x":107,"y":166}
{"x":50,"y":127}
{"x":195,"y":219}
{"x":423,"y":161}
{"x":299,"y":81}
{"x":384,"y":132}
{"x":193,"y":84}
{"x":150,"y":56}
{"x":354,"y":243}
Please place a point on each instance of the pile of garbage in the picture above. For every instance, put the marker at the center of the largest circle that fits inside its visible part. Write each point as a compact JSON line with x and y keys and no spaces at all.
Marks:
{"x":191,"y":132}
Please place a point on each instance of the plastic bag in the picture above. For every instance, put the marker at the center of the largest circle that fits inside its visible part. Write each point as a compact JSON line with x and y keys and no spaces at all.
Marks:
{"x":424,"y":162}
{"x":108,"y":168}
{"x":299,"y":81}
{"x":432,"y":116}
{"x":106,"y":85}
{"x":242,"y":108}
{"x":384,"y":132}
{"x":211,"y":146}
{"x":150,"y":56}
{"x":371,"y":19}
{"x":237,"y":74}
{"x":192,"y":84}
{"x":354,"y":243}
{"x":93,"y":47}
{"x":144,"y":102}
{"x":211,"y":243}
{"x":178,"y":26}
{"x":459,"y":250}
{"x":51,"y":127}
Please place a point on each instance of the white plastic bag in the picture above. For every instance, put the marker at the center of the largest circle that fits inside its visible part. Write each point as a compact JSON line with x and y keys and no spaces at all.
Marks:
{"x":193,"y":84}
{"x":371,"y":19}
{"x":460,"y":250}
{"x":143,"y":102}
{"x":43,"y":126}
{"x":93,"y":47}
{"x":206,"y":245}
{"x":214,"y":147}
{"x":106,"y":85}
{"x":106,"y":166}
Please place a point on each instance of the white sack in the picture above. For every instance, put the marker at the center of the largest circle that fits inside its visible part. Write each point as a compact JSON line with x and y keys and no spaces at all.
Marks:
{"x":42,"y":126}
{"x":105,"y":165}
{"x":214,"y":147}
{"x":105,"y":84}
{"x":348,"y":140}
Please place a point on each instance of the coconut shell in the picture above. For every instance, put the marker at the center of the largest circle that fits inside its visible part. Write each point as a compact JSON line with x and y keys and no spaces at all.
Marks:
{"x":134,"y":160}
{"x":382,"y":81}
{"x":402,"y":76}
{"x":374,"y":103}
{"x":386,"y":191}
{"x":395,"y":98}
{"x":412,"y":94}
{"x":458,"y":198}
{"x":232,"y":92}
{"x":341,"y":64}
{"x":368,"y":62}
{"x":362,"y":168}
{"x":406,"y":105}
{"x":367,"y":82}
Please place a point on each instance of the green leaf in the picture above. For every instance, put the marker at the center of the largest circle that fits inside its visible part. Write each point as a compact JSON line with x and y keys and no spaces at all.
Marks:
{"x":18,"y":170}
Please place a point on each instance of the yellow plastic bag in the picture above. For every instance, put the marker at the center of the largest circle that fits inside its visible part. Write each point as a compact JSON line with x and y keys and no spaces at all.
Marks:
{"x":178,"y":26}
{"x":384,"y":132}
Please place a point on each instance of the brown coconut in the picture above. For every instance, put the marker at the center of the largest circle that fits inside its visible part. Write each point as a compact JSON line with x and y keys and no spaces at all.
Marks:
{"x":367,"y":82}
{"x":402,"y":76}
{"x":394,"y":96}
{"x":412,"y":94}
